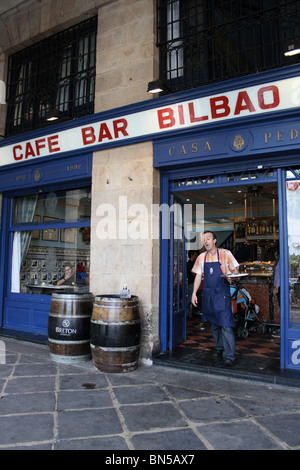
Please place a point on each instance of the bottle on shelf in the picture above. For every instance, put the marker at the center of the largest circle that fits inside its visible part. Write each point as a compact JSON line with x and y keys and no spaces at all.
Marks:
{"x":271,"y":227}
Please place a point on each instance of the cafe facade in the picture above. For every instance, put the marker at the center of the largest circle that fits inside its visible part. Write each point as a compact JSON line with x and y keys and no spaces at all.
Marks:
{"x":102,"y":192}
{"x":241,"y":133}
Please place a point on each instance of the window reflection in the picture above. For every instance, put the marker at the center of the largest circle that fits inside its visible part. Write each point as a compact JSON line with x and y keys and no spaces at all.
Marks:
{"x":64,"y":205}
{"x":43,"y":263}
{"x":40,"y":255}
{"x":293,"y":214}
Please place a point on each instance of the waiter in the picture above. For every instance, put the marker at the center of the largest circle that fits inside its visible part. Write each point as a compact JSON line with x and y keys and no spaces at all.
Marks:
{"x":214,"y":265}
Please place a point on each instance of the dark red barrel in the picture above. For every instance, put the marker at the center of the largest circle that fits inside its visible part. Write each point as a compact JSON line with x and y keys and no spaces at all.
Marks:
{"x":115,"y":333}
{"x":69,"y":327}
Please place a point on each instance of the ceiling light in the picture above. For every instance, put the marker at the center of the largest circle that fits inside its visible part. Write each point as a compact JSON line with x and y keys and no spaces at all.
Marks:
{"x":54,"y":114}
{"x":292,"y":49}
{"x":157,"y":86}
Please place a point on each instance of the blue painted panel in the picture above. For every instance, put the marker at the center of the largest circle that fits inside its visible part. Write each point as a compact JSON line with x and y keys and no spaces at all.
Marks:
{"x":27,"y":314}
{"x":293,"y":343}
{"x":17,"y":315}
{"x":190,"y":150}
{"x":50,"y":172}
{"x":238,"y":142}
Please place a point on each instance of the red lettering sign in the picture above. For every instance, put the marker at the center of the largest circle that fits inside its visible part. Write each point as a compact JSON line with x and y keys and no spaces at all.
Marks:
{"x":88,"y":135}
{"x":29,"y":152}
{"x":193,"y":118}
{"x":261,"y":97}
{"x":40,"y":144}
{"x":52,"y":143}
{"x":243,"y":102}
{"x":104,"y":132}
{"x":219,"y":107}
{"x":165,"y":118}
{"x":33,"y":150}
{"x":17,"y":156}
{"x":230,"y":104}
{"x":120,"y":126}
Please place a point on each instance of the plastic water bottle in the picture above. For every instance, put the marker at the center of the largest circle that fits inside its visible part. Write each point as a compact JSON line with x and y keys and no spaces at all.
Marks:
{"x":125,"y":293}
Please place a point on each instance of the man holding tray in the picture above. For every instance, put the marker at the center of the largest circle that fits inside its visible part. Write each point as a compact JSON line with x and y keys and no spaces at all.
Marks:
{"x":214,"y":266}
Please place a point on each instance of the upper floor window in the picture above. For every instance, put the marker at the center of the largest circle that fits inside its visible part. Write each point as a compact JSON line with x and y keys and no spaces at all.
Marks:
{"x":57,"y":73}
{"x":206,"y":41}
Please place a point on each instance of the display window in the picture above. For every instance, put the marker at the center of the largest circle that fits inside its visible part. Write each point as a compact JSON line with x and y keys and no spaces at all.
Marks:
{"x":293,"y":222}
{"x":50,"y":241}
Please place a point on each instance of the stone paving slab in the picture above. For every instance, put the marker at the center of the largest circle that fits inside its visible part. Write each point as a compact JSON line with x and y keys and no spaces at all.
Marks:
{"x":46,"y":405}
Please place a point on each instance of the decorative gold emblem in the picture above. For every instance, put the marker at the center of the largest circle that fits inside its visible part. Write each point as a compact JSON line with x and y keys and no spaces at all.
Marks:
{"x":238,"y":142}
{"x":37,"y":175}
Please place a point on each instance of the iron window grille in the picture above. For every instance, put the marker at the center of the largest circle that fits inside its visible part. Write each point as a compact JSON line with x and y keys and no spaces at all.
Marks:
{"x":206,"y":41}
{"x":56,"y":73}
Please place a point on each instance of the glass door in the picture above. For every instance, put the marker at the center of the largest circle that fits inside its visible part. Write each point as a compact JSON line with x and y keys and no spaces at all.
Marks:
{"x":293,"y":229}
{"x":177,"y":270}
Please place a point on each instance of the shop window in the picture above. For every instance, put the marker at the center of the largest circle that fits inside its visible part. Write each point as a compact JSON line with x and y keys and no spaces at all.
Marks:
{"x":250,"y":175}
{"x":49,"y":231}
{"x":56,"y":74}
{"x":293,"y":218}
{"x":199,"y":181}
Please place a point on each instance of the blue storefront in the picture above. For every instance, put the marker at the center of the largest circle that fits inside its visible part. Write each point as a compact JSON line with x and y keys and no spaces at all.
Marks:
{"x":250,"y":150}
{"x":233,"y":134}
{"x":38,"y":238}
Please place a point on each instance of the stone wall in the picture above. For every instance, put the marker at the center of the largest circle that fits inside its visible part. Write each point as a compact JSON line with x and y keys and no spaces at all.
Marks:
{"x":123,"y":250}
{"x":23,"y":23}
{"x":127,"y":60}
{"x":126,"y":55}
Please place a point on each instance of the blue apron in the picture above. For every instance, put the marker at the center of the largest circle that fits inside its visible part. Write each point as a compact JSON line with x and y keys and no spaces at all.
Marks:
{"x":216,"y":300}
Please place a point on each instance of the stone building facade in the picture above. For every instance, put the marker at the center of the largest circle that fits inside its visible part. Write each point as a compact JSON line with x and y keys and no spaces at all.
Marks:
{"x":126,"y":62}
{"x":228,"y":120}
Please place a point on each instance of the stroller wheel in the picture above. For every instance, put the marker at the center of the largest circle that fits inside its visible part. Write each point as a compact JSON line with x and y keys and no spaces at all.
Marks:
{"x":244,"y":333}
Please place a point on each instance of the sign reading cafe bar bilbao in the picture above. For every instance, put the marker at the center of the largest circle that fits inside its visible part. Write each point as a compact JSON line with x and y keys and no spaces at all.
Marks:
{"x":255,"y":100}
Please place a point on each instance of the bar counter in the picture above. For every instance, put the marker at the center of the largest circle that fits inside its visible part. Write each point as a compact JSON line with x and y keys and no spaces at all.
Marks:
{"x":260,"y":287}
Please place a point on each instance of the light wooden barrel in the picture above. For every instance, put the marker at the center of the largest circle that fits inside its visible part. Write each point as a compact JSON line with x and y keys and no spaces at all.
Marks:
{"x":115,"y":333}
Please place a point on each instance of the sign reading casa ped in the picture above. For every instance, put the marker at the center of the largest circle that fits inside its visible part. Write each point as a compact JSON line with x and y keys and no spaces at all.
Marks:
{"x":265,"y":98}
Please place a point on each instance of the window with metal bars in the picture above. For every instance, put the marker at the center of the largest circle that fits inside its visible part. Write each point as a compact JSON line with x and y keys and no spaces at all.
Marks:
{"x":206,"y":41}
{"x":57,"y":73}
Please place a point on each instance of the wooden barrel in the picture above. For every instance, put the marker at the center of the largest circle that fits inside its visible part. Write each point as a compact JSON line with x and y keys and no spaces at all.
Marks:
{"x":115,"y":333}
{"x":69,"y":327}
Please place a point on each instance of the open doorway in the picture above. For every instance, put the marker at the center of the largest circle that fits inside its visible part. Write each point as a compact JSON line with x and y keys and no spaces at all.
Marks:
{"x":245,"y":220}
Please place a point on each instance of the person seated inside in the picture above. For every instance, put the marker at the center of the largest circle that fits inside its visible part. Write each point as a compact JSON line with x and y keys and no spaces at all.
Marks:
{"x":70,"y":278}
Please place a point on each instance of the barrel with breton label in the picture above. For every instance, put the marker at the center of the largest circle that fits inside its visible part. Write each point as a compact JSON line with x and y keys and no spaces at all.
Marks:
{"x":115,"y":333}
{"x":69,"y":327}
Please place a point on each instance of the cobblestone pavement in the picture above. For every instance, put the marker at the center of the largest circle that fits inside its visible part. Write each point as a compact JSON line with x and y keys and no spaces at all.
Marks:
{"x":48,"y":405}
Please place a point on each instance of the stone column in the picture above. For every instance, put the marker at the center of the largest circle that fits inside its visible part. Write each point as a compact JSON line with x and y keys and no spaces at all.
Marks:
{"x":124,"y":177}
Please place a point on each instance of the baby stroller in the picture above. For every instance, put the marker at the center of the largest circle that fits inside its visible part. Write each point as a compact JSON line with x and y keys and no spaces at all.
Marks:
{"x":245,"y":312}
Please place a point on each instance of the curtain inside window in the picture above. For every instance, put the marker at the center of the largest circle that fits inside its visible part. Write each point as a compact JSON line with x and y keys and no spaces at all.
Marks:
{"x":24,"y":213}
